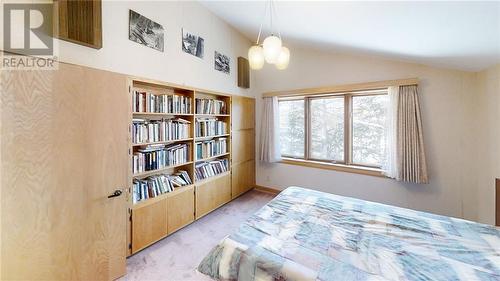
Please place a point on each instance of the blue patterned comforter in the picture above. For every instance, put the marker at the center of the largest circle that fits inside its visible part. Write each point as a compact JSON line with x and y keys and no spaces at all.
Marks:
{"x":309,"y":235}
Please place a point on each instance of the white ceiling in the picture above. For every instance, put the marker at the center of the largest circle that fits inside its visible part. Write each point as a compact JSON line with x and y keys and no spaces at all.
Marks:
{"x":459,"y":35}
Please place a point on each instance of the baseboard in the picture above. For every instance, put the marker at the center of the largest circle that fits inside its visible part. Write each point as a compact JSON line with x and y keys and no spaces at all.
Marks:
{"x":267,"y":189}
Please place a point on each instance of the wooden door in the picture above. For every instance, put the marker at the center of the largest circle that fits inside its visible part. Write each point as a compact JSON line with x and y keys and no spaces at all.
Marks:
{"x":64,"y":150}
{"x":243,"y":145}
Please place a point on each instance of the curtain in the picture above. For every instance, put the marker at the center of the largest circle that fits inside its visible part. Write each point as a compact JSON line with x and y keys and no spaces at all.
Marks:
{"x":405,"y":155}
{"x":269,"y":131}
{"x":389,"y":166}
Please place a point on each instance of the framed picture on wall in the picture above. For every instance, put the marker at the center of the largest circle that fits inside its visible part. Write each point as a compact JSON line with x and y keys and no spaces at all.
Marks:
{"x":145,"y":31}
{"x":192,"y":44}
{"x":221,"y":62}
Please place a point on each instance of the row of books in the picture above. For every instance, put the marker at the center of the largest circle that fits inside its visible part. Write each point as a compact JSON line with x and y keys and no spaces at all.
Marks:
{"x":159,"y":130}
{"x":149,"y":102}
{"x":205,"y":170}
{"x":206,"y":127}
{"x":210,"y":106}
{"x":211,"y":148}
{"x":155,"y":157}
{"x":156,"y":185}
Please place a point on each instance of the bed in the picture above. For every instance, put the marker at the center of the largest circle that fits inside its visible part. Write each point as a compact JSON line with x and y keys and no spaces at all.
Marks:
{"x":310,"y":235}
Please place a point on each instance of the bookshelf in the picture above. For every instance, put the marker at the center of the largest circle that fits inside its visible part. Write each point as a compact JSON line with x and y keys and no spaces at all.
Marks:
{"x":175,"y":131}
{"x":214,"y":190}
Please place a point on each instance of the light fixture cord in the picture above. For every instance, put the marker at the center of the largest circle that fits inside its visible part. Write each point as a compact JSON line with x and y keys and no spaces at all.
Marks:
{"x":277,"y":20}
{"x":261,"y":23}
{"x":271,"y":15}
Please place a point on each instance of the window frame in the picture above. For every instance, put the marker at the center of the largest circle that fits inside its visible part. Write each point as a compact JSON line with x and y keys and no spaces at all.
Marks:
{"x":347,"y":164}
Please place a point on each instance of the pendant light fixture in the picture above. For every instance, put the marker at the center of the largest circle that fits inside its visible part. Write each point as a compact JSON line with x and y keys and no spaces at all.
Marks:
{"x":272,"y":51}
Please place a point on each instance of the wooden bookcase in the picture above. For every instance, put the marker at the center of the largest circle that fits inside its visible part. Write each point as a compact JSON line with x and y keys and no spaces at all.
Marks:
{"x":155,"y":218}
{"x":215,"y":191}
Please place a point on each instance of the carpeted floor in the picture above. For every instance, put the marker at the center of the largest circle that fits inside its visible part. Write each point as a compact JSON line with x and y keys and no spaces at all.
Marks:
{"x":177,"y":256}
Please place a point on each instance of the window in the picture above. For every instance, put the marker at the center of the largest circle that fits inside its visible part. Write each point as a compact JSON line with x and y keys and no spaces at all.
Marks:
{"x":292,"y":128}
{"x":327,"y":129}
{"x":347,"y":129}
{"x":368,"y":129}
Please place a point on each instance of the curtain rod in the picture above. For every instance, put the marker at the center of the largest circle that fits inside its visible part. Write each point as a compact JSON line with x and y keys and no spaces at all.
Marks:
{"x":344,"y":88}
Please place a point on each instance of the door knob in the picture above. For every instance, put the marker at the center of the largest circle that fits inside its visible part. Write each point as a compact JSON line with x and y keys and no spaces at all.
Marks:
{"x":116,"y":193}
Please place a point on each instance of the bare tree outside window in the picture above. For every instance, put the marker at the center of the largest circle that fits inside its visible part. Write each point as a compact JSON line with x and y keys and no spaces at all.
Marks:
{"x":292,"y":128}
{"x":368,"y":129}
{"x":347,"y":128}
{"x":327,"y":128}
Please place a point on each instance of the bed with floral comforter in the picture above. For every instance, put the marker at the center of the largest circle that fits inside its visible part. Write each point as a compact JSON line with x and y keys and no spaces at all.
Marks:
{"x":310,"y":235}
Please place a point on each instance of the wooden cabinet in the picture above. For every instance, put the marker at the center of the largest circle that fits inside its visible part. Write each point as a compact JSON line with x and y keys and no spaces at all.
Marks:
{"x":243,"y":113}
{"x":243,"y":145}
{"x":212,"y":193}
{"x":149,"y":224}
{"x":243,"y":178}
{"x":180,"y":209}
{"x":158,"y":217}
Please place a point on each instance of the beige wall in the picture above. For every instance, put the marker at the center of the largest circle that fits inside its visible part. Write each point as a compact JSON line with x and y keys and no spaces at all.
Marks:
{"x":121,"y":55}
{"x":488,"y":120}
{"x":460,"y":109}
{"x":449,"y":105}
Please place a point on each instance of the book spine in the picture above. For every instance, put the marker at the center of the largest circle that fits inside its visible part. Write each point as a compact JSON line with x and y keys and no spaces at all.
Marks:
{"x":157,"y":185}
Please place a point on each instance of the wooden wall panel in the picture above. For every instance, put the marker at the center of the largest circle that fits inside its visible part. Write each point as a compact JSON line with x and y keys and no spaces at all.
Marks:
{"x":63,"y":150}
{"x":243,"y":73}
{"x":80,"y":22}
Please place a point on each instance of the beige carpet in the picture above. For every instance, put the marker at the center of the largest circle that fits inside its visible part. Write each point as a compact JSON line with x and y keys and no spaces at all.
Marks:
{"x":177,"y":256}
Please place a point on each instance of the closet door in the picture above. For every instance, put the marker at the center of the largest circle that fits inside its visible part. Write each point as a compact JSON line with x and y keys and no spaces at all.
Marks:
{"x":64,"y":141}
{"x":242,"y":144}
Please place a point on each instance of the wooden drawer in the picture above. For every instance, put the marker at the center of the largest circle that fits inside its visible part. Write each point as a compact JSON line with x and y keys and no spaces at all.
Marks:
{"x":212,"y":193}
{"x":180,"y":209}
{"x":149,"y":224}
